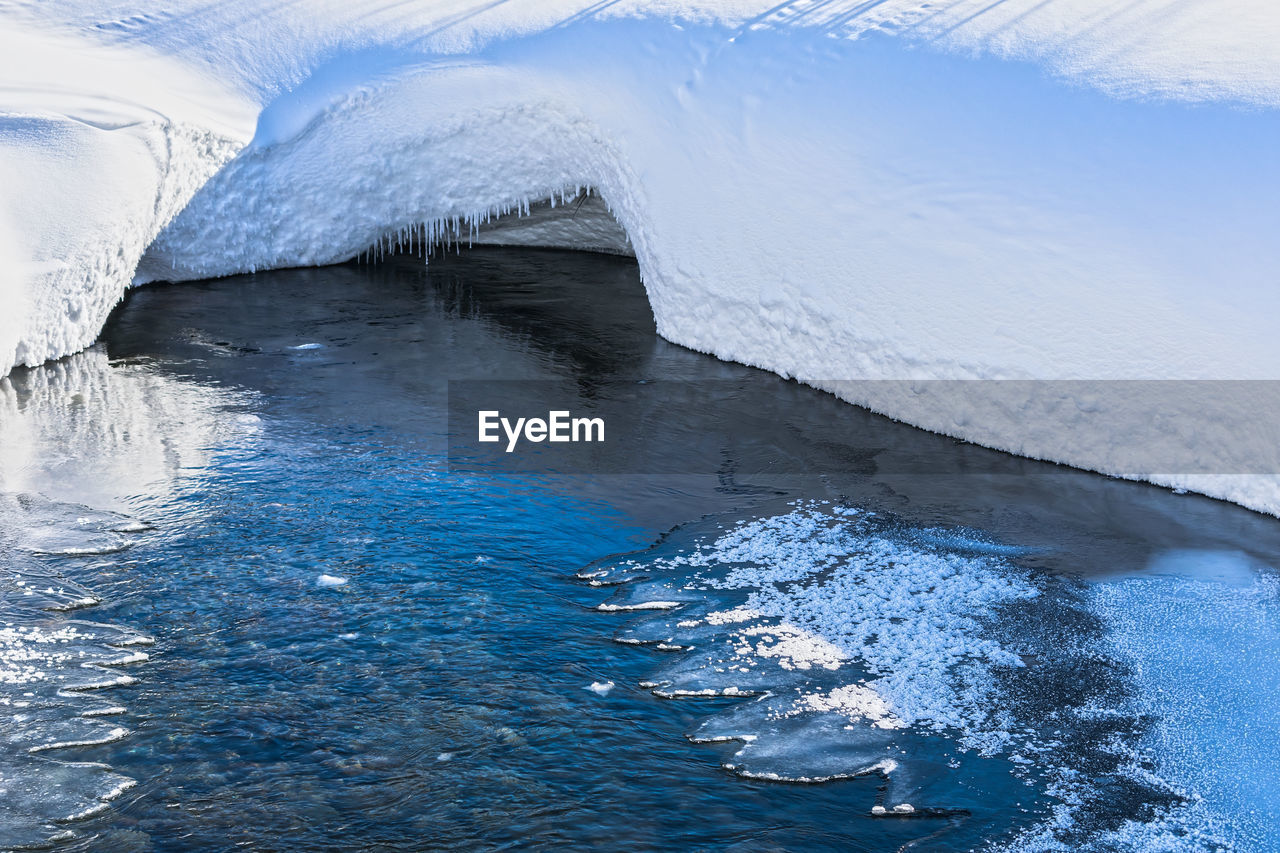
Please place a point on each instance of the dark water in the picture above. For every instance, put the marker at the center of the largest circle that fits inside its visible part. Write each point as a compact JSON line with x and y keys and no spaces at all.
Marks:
{"x":358,"y":646}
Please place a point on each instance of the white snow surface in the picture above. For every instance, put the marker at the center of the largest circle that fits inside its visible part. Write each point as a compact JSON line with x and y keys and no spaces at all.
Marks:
{"x":833,"y":190}
{"x":823,"y":592}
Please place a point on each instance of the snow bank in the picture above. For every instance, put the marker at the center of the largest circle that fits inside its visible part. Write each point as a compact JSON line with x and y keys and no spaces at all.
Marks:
{"x":100,"y":146}
{"x":836,"y":191}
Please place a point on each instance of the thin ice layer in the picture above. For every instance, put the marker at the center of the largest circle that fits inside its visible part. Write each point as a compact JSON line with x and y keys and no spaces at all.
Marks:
{"x":851,"y":635}
{"x":860,"y":645}
{"x":55,"y":666}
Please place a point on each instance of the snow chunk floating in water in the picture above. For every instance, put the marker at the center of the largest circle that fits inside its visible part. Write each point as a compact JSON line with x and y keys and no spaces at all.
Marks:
{"x":330,"y":581}
{"x":857,"y":702}
{"x":600,"y":688}
{"x":640,"y":605}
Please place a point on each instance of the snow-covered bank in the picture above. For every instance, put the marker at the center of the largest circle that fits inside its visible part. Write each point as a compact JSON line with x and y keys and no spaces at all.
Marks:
{"x":920,"y":202}
{"x":100,"y":146}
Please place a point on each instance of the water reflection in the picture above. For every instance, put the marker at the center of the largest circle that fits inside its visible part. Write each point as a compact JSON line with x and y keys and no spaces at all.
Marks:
{"x":116,"y":435}
{"x":78,"y":438}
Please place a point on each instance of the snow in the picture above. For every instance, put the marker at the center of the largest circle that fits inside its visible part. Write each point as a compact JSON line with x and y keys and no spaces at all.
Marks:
{"x":824,"y":589}
{"x":857,"y":702}
{"x":100,"y":146}
{"x":835,"y":191}
{"x":1199,"y":634}
{"x":643,"y":605}
{"x":1141,"y":704}
{"x":860,"y":646}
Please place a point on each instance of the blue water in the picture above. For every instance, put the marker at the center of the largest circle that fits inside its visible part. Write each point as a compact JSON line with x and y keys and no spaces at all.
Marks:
{"x":359,"y":646}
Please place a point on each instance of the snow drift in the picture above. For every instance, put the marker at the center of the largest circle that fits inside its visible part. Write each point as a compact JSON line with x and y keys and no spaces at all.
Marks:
{"x":837,"y":191}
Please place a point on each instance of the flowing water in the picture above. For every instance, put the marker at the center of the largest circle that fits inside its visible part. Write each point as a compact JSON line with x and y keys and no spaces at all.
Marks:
{"x":259,"y":592}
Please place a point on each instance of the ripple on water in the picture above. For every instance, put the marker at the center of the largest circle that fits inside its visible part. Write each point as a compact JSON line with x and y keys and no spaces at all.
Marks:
{"x":52,"y":667}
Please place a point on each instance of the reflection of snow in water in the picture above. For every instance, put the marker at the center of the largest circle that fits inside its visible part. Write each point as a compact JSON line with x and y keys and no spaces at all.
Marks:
{"x":88,"y":431}
{"x":875,"y":648}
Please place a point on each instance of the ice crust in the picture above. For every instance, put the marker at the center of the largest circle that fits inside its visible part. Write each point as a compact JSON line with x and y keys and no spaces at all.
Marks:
{"x":1201,"y":639}
{"x":859,"y":645}
{"x":857,"y":642}
{"x":832,"y":191}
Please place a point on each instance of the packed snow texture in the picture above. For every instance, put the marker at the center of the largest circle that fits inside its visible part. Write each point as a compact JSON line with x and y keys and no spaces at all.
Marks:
{"x":834,"y":191}
{"x":1201,"y":636}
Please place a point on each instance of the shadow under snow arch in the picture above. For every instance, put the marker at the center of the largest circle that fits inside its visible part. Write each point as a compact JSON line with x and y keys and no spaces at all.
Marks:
{"x":483,"y":154}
